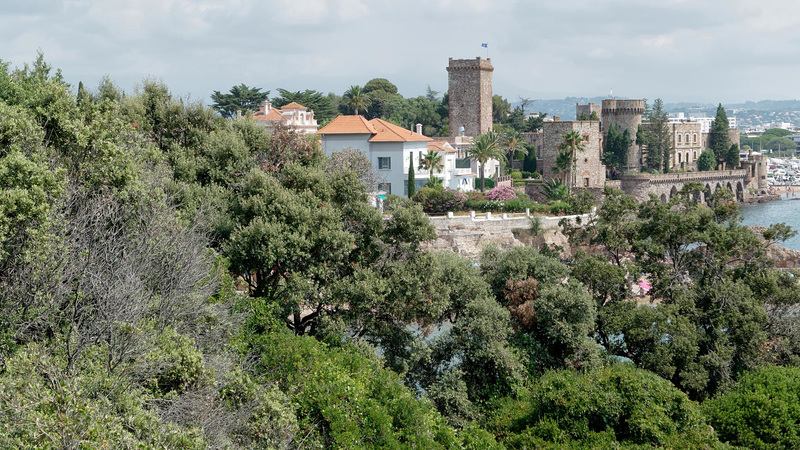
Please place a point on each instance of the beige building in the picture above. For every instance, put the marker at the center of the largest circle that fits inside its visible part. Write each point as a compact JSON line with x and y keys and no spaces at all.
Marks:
{"x":588,"y":170}
{"x":687,"y":140}
{"x":294,"y":115}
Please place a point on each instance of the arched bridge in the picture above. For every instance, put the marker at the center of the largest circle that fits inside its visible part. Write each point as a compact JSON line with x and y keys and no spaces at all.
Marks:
{"x":666,"y":185}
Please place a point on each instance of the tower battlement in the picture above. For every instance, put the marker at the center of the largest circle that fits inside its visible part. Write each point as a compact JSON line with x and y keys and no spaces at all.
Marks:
{"x":470,"y":64}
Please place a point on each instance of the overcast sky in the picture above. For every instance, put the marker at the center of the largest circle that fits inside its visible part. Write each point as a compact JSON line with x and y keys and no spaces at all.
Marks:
{"x":679,"y":50}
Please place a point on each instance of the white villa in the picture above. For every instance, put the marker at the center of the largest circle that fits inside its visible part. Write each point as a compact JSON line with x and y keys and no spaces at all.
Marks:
{"x":390,"y":148}
{"x":294,"y":114}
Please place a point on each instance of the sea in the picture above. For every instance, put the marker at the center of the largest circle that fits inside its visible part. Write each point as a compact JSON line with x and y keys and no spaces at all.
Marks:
{"x":787,"y":210}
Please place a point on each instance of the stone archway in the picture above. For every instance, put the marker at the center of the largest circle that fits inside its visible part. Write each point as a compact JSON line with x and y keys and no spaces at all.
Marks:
{"x":730,"y":188}
{"x":664,"y":198}
{"x":707,"y":193}
{"x":739,"y":191}
{"x":673,"y":192}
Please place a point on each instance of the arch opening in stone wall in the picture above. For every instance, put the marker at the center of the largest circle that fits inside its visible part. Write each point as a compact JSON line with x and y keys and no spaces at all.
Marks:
{"x":673,"y":192}
{"x":664,"y":198}
{"x":739,"y":191}
{"x":730,"y":187}
{"x":707,"y":193}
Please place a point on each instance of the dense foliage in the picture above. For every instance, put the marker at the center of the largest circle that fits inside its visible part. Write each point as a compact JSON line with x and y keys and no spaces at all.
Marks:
{"x":173,"y":279}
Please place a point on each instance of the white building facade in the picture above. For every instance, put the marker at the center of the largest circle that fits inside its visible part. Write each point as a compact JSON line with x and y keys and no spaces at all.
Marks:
{"x":390,"y":149}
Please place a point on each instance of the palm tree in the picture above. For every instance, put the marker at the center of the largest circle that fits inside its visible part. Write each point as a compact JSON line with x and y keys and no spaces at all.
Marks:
{"x":512,"y":144}
{"x":573,"y":142}
{"x":484,"y":149}
{"x":355,"y":98}
{"x":431,"y":161}
{"x":563,"y":161}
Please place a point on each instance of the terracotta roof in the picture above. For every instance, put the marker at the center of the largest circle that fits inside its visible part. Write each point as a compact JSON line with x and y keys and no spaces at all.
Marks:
{"x":293,"y":105}
{"x":389,"y":132}
{"x":348,"y":125}
{"x":440,"y":146}
{"x":271,"y":115}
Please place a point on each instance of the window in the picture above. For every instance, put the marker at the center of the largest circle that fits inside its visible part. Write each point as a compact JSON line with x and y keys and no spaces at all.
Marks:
{"x":694,"y":138}
{"x":586,"y":182}
{"x":385,"y":187}
{"x":384,"y":162}
{"x":679,"y":139}
{"x":687,"y":138}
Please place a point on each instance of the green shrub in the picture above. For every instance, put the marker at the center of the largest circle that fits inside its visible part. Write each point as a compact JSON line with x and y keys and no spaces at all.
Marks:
{"x":435,"y":199}
{"x":581,"y":202}
{"x":608,"y":407}
{"x":559,"y":208}
{"x":762,"y":411}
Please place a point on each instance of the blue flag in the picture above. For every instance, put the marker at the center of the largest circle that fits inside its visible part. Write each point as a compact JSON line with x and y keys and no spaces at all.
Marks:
{"x":485,"y":45}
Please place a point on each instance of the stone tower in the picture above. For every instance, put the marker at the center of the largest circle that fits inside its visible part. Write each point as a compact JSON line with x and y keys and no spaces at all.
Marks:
{"x":470,"y":95}
{"x":627,"y":115}
{"x":587,"y":110}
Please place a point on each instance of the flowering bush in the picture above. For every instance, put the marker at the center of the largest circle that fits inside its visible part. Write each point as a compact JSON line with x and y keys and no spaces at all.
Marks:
{"x":476,"y":195}
{"x":502,"y":193}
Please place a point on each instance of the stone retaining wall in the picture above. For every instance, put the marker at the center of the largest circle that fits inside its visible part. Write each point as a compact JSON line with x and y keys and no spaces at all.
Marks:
{"x":467,"y":235}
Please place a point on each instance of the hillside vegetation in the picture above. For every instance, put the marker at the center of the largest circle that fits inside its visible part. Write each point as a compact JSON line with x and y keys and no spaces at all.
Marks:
{"x":173,"y":279}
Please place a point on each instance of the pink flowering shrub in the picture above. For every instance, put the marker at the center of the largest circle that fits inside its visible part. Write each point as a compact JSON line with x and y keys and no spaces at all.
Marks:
{"x":502,"y":193}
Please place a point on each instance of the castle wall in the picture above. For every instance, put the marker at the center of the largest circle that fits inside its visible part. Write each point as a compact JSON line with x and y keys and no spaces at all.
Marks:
{"x":470,"y":95}
{"x":589,"y":171}
{"x":587,"y":110}
{"x":665,"y":186}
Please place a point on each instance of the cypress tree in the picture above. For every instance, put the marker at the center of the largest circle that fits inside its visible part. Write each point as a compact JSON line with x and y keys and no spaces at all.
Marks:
{"x":718,"y":139}
{"x":412,"y":182}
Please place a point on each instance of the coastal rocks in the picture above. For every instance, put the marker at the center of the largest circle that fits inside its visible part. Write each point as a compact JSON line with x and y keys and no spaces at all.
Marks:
{"x":784,"y":258}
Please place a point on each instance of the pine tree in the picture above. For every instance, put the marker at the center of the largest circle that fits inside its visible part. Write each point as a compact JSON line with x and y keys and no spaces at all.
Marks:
{"x":657,"y":137}
{"x":718,"y":139}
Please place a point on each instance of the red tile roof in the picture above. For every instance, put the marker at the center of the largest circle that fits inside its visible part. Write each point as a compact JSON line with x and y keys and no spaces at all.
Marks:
{"x":293,"y":105}
{"x":389,"y":132}
{"x":271,"y":115}
{"x":440,"y":146}
{"x":348,"y":125}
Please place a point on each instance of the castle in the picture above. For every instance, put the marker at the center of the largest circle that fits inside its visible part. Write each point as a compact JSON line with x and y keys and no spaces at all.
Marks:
{"x":470,"y":104}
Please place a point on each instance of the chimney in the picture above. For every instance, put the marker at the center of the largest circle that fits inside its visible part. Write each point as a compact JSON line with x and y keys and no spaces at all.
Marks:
{"x":556,"y":118}
{"x":419,"y":128}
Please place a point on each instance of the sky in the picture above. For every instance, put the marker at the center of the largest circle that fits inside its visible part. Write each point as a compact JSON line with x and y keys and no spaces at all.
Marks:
{"x":706,"y":51}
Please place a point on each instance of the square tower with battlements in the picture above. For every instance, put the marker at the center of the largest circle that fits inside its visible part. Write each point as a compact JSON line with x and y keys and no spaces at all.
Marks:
{"x":470,"y":96}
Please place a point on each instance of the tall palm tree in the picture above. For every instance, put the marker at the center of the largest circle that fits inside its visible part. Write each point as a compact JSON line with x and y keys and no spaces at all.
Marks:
{"x":512,"y":144}
{"x":483,"y":149}
{"x":573,"y":143}
{"x":431,"y":161}
{"x":355,"y":98}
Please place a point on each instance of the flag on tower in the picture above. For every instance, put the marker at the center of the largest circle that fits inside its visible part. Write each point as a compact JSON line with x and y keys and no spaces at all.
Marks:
{"x":485,"y":45}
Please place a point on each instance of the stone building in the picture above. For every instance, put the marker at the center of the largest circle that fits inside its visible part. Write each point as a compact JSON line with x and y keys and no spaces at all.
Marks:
{"x":627,"y":115}
{"x":587,"y":110}
{"x":687,"y":140}
{"x":470,"y":96}
{"x":588,"y":170}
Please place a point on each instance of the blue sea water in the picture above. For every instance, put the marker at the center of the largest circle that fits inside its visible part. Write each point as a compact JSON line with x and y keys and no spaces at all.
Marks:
{"x":787,"y":210}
